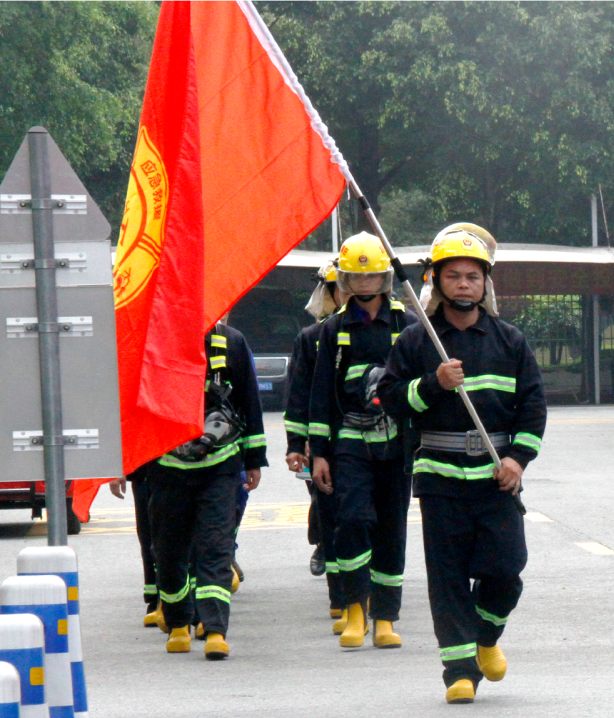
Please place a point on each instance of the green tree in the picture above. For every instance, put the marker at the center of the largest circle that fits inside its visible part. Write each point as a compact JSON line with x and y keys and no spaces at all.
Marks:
{"x":79,"y":69}
{"x":498,"y":112}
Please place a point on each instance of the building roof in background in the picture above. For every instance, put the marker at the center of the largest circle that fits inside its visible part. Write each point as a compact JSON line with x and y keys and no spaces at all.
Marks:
{"x":506,"y":252}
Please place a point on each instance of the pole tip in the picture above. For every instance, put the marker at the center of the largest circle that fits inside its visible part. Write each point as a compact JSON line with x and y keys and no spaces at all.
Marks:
{"x":37,"y":130}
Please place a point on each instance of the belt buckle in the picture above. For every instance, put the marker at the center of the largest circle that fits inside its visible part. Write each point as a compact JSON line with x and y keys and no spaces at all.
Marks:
{"x":474,"y":445}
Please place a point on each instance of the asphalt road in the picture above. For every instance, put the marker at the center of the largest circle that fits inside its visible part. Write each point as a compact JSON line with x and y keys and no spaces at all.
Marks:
{"x":285,"y":662}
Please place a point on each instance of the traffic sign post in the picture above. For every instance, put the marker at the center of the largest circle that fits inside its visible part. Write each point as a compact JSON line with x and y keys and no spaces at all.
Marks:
{"x":55,"y":285}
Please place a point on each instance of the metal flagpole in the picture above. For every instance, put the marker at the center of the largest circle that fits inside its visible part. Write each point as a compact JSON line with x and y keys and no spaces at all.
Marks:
{"x":400,"y":272}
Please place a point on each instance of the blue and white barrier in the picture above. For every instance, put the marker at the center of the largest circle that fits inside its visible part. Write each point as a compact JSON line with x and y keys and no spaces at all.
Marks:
{"x":22,"y":643}
{"x":10,"y":694}
{"x":45,"y":596}
{"x":62,"y":561}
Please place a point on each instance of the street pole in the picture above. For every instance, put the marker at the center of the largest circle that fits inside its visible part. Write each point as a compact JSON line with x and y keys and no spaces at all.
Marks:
{"x":48,"y":336}
{"x":596,"y":365}
{"x":400,"y":272}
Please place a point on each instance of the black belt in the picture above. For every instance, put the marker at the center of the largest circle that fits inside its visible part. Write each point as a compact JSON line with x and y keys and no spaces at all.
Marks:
{"x":465,"y":442}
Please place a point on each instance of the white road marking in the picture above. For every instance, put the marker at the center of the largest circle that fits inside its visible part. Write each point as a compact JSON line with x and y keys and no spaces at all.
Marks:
{"x":597,"y":548}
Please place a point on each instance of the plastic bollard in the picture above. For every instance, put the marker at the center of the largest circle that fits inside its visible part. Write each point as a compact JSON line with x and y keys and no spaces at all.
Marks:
{"x":22,"y":644}
{"x":62,"y":561}
{"x":10,"y":694}
{"x":45,"y":596}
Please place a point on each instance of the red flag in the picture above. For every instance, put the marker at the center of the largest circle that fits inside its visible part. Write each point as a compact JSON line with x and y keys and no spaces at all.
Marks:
{"x":233,"y":168}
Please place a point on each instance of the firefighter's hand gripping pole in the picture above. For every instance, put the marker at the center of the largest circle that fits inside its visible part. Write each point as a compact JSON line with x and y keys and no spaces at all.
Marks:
{"x":402,"y":277}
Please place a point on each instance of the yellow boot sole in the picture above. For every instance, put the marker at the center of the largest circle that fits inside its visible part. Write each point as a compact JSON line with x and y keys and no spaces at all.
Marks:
{"x":216,"y":647}
{"x":179,"y":641}
{"x":461,"y":692}
{"x":492,"y":663}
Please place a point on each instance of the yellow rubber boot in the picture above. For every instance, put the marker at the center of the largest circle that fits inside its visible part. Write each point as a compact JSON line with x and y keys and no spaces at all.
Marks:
{"x":384,"y":636}
{"x":160,"y":620}
{"x":492,"y":663}
{"x":199,"y":632}
{"x":353,"y":635}
{"x":339,"y":626}
{"x":236,"y":581}
{"x":151,"y":619}
{"x":461,"y":692}
{"x":216,"y":647}
{"x":179,"y":641}
{"x":336,"y":612}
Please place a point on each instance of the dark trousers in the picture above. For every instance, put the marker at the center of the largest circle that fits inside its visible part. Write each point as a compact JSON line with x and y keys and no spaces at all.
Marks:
{"x":140,"y":491}
{"x":370,"y":536}
{"x":198,"y":513}
{"x":481,"y":539}
{"x":326,"y":508}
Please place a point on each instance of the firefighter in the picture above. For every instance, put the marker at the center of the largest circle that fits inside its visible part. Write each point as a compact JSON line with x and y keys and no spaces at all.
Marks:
{"x":325,"y":300}
{"x":357,"y":450}
{"x":471,"y":527}
{"x":193,"y":497}
{"x":140,"y":491}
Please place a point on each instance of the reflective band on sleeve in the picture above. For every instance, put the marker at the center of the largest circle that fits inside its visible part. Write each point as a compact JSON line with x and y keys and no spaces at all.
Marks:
{"x":332,"y":567}
{"x":393,"y":337}
{"x":371,"y":437}
{"x":343,"y":339}
{"x":217,"y":340}
{"x":150,"y":589}
{"x":353,"y":564}
{"x":468,"y":473}
{"x":490,"y":381}
{"x":193,"y":583}
{"x":530,"y":440}
{"x":395,"y":304}
{"x":255,"y":441}
{"x":217,"y":362}
{"x":320,"y":430}
{"x":413,"y":397}
{"x":213,"y":592}
{"x":454,"y":653}
{"x":216,"y":458}
{"x":294,"y":427}
{"x":491,"y":618}
{"x":318,"y":344}
{"x":385,"y":580}
{"x":355,"y":372}
{"x":176,"y":597}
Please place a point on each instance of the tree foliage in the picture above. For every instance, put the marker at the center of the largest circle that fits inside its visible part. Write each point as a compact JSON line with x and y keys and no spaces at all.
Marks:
{"x":497,"y":112}
{"x":79,"y":69}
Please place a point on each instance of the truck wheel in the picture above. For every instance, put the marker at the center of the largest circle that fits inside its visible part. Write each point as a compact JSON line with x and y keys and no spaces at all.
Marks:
{"x":73,"y":525}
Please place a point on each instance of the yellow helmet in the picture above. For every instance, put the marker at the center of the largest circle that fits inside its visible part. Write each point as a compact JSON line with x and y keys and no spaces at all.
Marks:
{"x":363,"y":255}
{"x":458,"y":243}
{"x":328,"y":271}
{"x":480,"y":233}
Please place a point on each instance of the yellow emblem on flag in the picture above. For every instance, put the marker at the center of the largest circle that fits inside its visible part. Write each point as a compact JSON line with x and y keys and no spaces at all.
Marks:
{"x":142,"y":230}
{"x":62,"y":627}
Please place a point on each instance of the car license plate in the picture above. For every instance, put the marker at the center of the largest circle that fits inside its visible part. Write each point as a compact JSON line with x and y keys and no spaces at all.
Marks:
{"x":265,"y":385}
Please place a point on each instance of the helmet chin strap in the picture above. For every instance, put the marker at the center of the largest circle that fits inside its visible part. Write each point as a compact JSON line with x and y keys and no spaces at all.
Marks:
{"x":365,"y":297}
